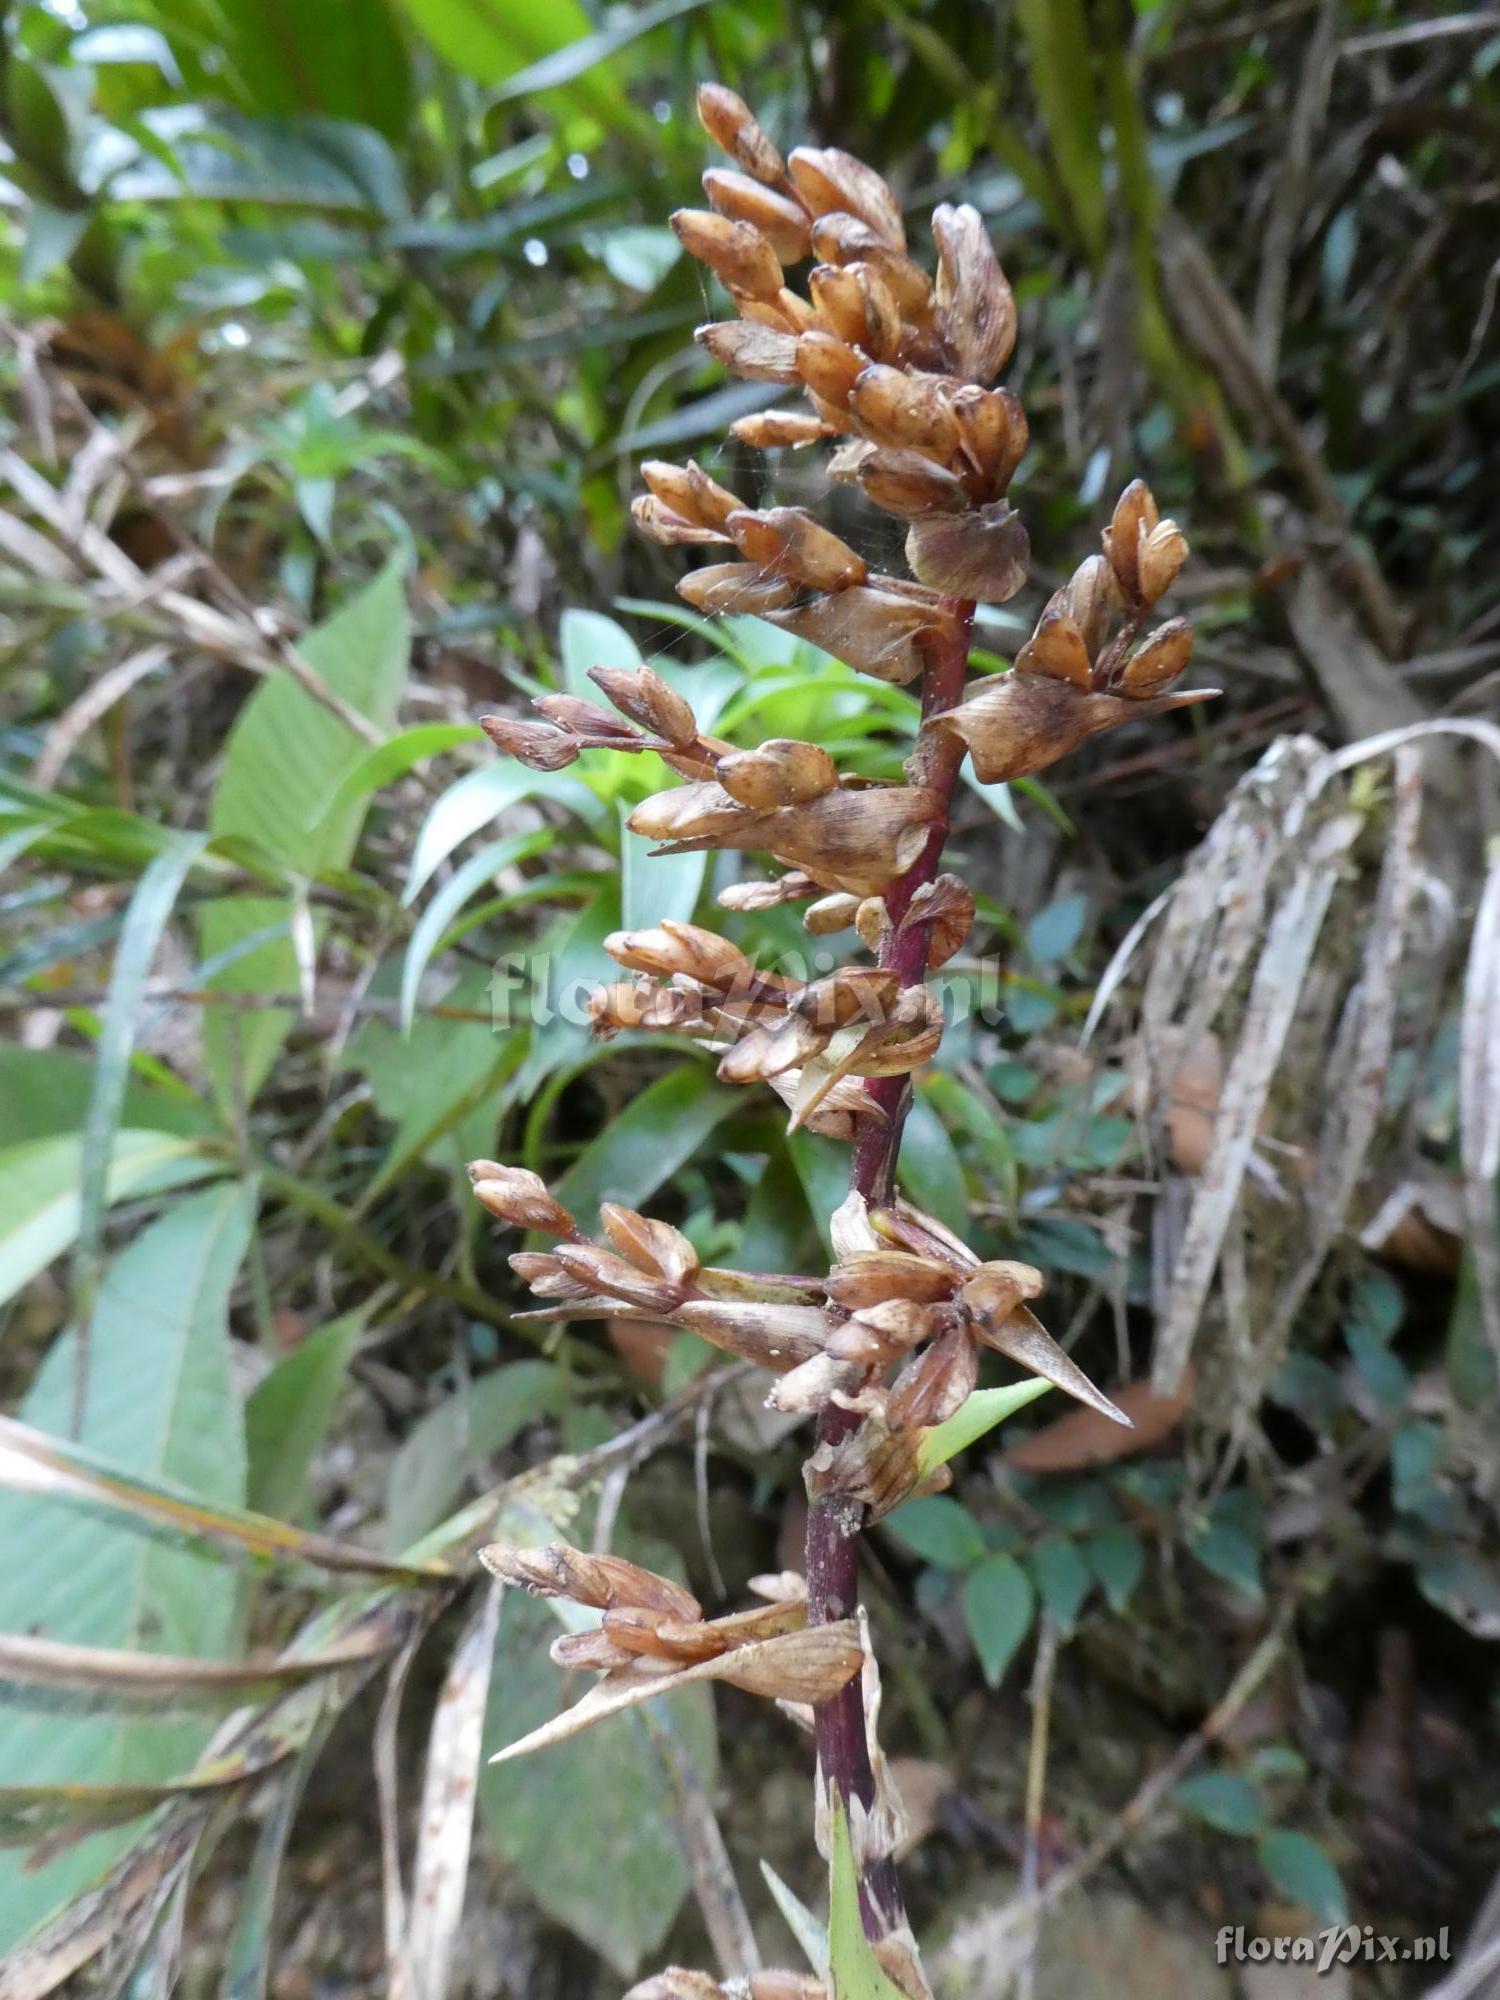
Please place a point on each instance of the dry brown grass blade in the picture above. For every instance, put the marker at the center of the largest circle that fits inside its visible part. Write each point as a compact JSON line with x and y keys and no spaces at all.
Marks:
{"x":1320,"y":847}
{"x":445,"y":1827}
{"x":51,"y":1663}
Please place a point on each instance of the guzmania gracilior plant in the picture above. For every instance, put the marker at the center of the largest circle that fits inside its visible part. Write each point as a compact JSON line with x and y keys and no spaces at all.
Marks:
{"x":898,"y":369}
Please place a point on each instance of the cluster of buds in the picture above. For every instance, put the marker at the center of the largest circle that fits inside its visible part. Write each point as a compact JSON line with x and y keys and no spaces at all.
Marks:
{"x":785,"y":797}
{"x":897,"y":365}
{"x":1082,"y":670}
{"x":810,"y":1040}
{"x":904,"y":1294}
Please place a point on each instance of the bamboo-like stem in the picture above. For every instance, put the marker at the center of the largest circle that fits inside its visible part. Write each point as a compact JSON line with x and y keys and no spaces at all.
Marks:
{"x":833,"y":1525}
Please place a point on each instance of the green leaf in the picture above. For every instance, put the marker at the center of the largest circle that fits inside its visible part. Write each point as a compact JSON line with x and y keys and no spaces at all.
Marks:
{"x":286,"y":758}
{"x":40,"y":1200}
{"x":563,"y":65}
{"x":1118,"y":1561}
{"x":656,"y":1133}
{"x":145,"y":919}
{"x":1299,"y":1868}
{"x":477,"y":798}
{"x":667,"y":886}
{"x":161,"y":1404}
{"x":856,"y":1972}
{"x":978,"y":1415}
{"x":289,"y":1411}
{"x":1059,"y":51}
{"x":939,"y":1530}
{"x":494,"y":41}
{"x":1223,"y":1800}
{"x":997,"y":1607}
{"x":589,"y":639}
{"x":800,"y":1920}
{"x":325,"y":163}
{"x":444,"y":906}
{"x":930,"y":1170}
{"x":430,"y":1470}
{"x":340,"y":58}
{"x":45,"y":1092}
{"x":590,"y":1824}
{"x":388,"y":761}
{"x":1063,"y":1579}
{"x":1055,"y":931}
{"x":1231,"y":1554}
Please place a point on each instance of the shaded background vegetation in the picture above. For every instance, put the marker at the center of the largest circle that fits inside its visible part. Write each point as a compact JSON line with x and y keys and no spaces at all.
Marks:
{"x":334,"y":334}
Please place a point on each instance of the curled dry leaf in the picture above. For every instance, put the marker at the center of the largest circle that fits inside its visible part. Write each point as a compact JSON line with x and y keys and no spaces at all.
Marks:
{"x":1086,"y":1437}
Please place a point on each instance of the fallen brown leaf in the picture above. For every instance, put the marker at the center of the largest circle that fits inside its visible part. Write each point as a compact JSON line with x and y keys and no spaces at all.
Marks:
{"x":1084,"y":1437}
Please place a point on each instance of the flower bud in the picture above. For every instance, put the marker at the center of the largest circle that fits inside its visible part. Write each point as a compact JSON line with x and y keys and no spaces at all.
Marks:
{"x":602,"y":1271}
{"x":759,"y":353}
{"x":801,"y":546}
{"x":672,"y":530}
{"x":1056,"y":649}
{"x":766,"y":1052}
{"x":782,"y":772}
{"x":730,"y":123}
{"x":793,"y":887}
{"x":812,"y":1384}
{"x":1020,"y":723}
{"x":867,"y":1277}
{"x":519,"y":1197}
{"x":1154,"y":666}
{"x":646,"y":698}
{"x":784,"y":223}
{"x":899,"y":1323}
{"x":773,"y":1336}
{"x":830,"y":367}
{"x":993,"y":432}
{"x":585,"y":719}
{"x":542,"y":1273}
{"x":829,"y":179}
{"x":885,"y":332}
{"x":735,"y":587}
{"x":735,"y":251}
{"x":767,"y":430}
{"x":537,"y":745}
{"x":849,"y":993}
{"x":906,"y":483}
{"x":654,"y":1247}
{"x":936,"y":1385}
{"x":602,"y":1582}
{"x":1162,"y":553}
{"x":1134,"y":517}
{"x":830,"y":914}
{"x":634,"y":1004}
{"x":677,"y":949}
{"x":692,"y":812}
{"x":893,"y":407}
{"x":996,"y":1289}
{"x":688,"y":491}
{"x":1091,"y":597}
{"x":976,"y":310}
{"x":839,"y":303}
{"x":982,"y":555}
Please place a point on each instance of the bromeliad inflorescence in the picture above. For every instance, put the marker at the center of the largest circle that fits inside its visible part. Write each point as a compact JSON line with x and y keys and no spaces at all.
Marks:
{"x":898,"y":371}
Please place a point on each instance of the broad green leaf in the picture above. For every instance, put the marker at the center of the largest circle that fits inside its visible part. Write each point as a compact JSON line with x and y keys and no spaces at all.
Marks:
{"x":339,"y":58}
{"x":997,"y":1608}
{"x":1060,"y":53}
{"x":1055,"y":931}
{"x":444,"y":906}
{"x":1231,"y":1554}
{"x":978,"y":1415}
{"x":855,"y":1971}
{"x":161,"y":1403}
{"x":494,"y":40}
{"x":220,"y":155}
{"x":44,"y":1092}
{"x":432,"y":1467}
{"x":589,"y":639}
{"x":667,"y":886}
{"x":656,"y":1133}
{"x":477,"y":798}
{"x":288,"y":1413}
{"x":939,"y":1530}
{"x":1118,"y":1561}
{"x":285,"y":759}
{"x":929,"y":1169}
{"x":440,"y":1084}
{"x":145,"y":919}
{"x":1222,"y":1800}
{"x":39,"y":1191}
{"x":590,"y":1824}
{"x":564,"y":64}
{"x":1299,"y":1868}
{"x":388,"y":761}
{"x":1063,"y":1579}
